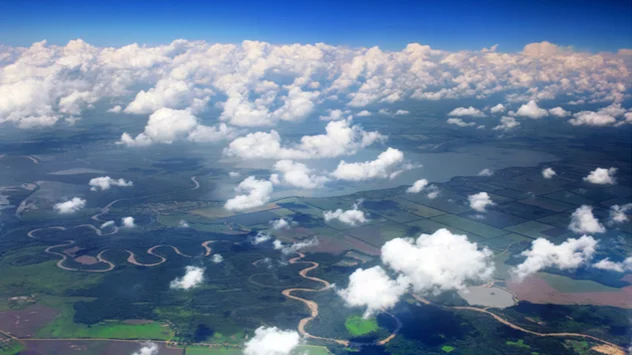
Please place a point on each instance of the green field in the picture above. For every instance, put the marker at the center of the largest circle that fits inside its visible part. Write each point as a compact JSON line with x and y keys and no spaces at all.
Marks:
{"x":357,"y":325}
{"x":520,"y":344}
{"x":447,"y":348}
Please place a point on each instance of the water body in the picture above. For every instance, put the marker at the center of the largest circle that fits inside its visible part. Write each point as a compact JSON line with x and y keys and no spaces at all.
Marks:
{"x":487,"y":297}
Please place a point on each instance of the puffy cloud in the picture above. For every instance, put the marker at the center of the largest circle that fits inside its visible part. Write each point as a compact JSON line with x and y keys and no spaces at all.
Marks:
{"x":210,"y":134}
{"x":280,"y":223}
{"x":148,"y":348}
{"x":217,"y":258}
{"x":531,"y":110}
{"x":583,"y":221}
{"x":507,"y":123}
{"x":559,"y":112}
{"x":299,"y":175}
{"x":543,"y":254}
{"x":105,"y":182}
{"x":401,"y":112}
{"x":71,"y":206}
{"x":372,"y":288}
{"x":388,"y":165}
{"x":341,"y":138}
{"x":480,"y":201}
{"x":193,"y":277}
{"x":542,"y":49}
{"x":333,"y":115}
{"x":622,"y":266}
{"x":261,"y":238}
{"x":548,"y":173}
{"x":128,"y":222}
{"x":352,"y":217}
{"x":459,"y":122}
{"x":234,"y":174}
{"x":500,"y":108}
{"x":619,"y":214}
{"x":433,"y":192}
{"x":602,"y":176}
{"x":272,"y":341}
{"x":417,"y":186}
{"x":255,"y":193}
{"x":466,"y":111}
{"x":115,"y":109}
{"x":590,"y":118}
{"x":425,"y":265}
{"x":486,"y":172}
{"x":363,"y":113}
{"x":287,"y":249}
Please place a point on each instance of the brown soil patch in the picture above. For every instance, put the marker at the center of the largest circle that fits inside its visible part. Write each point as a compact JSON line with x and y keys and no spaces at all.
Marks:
{"x":87,"y":260}
{"x":627,"y":278}
{"x":608,"y":350}
{"x":71,"y":251}
{"x":26,"y":322}
{"x":536,"y":290}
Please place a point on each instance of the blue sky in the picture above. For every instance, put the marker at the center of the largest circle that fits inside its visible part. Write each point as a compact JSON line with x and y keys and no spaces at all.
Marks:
{"x":391,"y":24}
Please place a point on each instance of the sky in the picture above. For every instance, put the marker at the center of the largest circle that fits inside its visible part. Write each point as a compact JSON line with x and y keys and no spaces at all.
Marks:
{"x":451,"y":25}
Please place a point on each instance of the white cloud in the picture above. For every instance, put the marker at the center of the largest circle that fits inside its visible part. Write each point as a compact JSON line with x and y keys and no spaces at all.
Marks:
{"x":486,"y":172}
{"x":148,"y":348}
{"x":183,"y":224}
{"x":341,"y":138}
{"x":559,"y":112}
{"x":480,"y":201}
{"x":287,"y":249}
{"x":417,"y":186}
{"x":217,"y":258}
{"x":234,"y":174}
{"x":388,"y":165}
{"x":602,"y":176}
{"x":459,"y":122}
{"x":255,"y":193}
{"x":261,"y":238}
{"x":193,"y":277}
{"x":583,"y":221}
{"x":107,"y":224}
{"x":590,"y":118}
{"x":272,"y":341}
{"x":71,"y":206}
{"x":507,"y":123}
{"x":425,"y":265}
{"x":115,"y":109}
{"x":363,"y":113}
{"x":128,"y":222}
{"x":433,"y":192}
{"x":548,"y":173}
{"x":622,"y":266}
{"x":280,"y":223}
{"x":543,"y":254}
{"x":531,"y":110}
{"x":401,"y":112}
{"x":105,"y":182}
{"x":500,"y":108}
{"x":542,"y":49}
{"x":299,"y":175}
{"x":466,"y":111}
{"x":333,"y":115}
{"x":619,"y":214}
{"x":352,"y":217}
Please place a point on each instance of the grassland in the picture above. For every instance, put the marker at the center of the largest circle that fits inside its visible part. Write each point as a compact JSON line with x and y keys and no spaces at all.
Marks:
{"x":520,"y":344}
{"x":358,"y":326}
{"x":447,"y":348}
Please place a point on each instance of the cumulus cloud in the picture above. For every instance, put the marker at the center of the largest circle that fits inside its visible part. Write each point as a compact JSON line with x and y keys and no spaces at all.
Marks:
{"x":417,"y":186}
{"x":287,"y":249}
{"x":486,"y":172}
{"x":433,"y":192}
{"x":571,"y":254}
{"x":71,"y":206}
{"x":548,"y":173}
{"x":480,"y":201}
{"x":619,"y":214}
{"x":193,"y":276}
{"x":148,"y":348}
{"x":233,"y":174}
{"x":333,"y":115}
{"x":363,"y":113}
{"x":261,"y":238}
{"x":105,"y":182}
{"x":590,"y":118}
{"x":621,"y":266}
{"x":559,"y":112}
{"x":583,"y":221}
{"x":466,"y":111}
{"x":272,"y":341}
{"x":298,"y":175}
{"x":401,"y":112}
{"x":507,"y":123}
{"x":531,"y":110}
{"x":372,"y":288}
{"x":388,"y":165}
{"x":500,"y":108}
{"x":352,"y":217}
{"x":128,"y":222}
{"x":280,"y":223}
{"x":459,"y":122}
{"x":341,"y":138}
{"x":217,"y":258}
{"x":602,"y":176}
{"x":424,"y":265}
{"x":254,"y":193}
